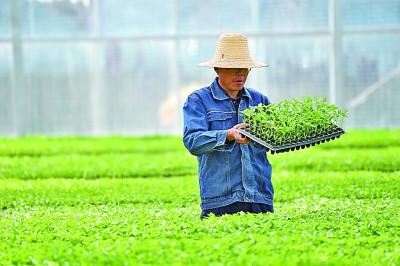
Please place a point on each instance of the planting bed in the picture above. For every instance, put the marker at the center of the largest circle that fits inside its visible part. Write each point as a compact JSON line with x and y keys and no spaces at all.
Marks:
{"x":274,"y":148}
{"x":135,"y":201}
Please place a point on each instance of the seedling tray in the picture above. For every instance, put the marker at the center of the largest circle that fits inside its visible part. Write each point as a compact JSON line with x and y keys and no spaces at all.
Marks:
{"x":294,"y":146}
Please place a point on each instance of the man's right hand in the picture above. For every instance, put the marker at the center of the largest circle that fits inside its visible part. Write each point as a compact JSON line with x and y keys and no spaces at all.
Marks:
{"x":233,"y":134}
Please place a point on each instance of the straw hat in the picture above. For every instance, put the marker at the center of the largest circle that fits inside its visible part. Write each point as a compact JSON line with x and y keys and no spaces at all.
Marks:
{"x":232,"y":52}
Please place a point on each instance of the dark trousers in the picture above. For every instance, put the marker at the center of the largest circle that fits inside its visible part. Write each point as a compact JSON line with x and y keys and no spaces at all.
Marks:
{"x":238,"y":207}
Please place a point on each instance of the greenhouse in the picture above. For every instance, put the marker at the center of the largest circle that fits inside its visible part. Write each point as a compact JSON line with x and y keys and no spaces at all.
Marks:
{"x":81,"y":67}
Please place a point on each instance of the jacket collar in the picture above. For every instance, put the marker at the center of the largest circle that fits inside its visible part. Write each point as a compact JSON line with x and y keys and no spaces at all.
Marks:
{"x":219,"y":94}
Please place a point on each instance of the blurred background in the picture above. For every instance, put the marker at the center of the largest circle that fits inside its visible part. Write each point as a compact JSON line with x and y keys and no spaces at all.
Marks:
{"x":102,"y":67}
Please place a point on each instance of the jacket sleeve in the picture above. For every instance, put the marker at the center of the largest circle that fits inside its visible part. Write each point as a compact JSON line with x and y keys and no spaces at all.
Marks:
{"x":197,"y":137}
{"x":266,"y":100}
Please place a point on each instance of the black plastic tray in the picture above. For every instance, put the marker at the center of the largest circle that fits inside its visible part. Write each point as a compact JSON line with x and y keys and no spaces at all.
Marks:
{"x":293,"y":146}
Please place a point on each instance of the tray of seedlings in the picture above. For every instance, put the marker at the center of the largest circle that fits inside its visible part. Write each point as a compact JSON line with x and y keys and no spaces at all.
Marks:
{"x":293,"y":124}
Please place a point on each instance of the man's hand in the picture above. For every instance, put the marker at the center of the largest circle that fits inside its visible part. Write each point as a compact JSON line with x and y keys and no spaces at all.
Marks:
{"x":233,"y":134}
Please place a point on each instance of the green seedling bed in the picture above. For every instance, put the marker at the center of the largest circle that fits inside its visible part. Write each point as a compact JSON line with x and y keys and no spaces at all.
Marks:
{"x":285,"y":147}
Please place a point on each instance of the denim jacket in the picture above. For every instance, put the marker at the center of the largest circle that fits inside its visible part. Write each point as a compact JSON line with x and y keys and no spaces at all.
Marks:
{"x":228,"y":172}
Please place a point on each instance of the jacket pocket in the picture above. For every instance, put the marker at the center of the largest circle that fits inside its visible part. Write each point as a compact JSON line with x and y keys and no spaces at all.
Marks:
{"x":214,"y":177}
{"x":219,"y":120}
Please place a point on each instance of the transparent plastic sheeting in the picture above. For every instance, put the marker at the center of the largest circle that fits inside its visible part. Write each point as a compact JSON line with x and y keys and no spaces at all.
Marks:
{"x":90,"y":67}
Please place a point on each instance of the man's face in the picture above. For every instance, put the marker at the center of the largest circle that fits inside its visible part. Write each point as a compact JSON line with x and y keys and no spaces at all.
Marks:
{"x":232,"y":79}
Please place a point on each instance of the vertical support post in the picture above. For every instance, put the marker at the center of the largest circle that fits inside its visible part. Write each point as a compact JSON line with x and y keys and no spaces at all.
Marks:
{"x":335,"y":55}
{"x":18,"y":97}
{"x":96,"y":88}
{"x":175,"y":82}
{"x":255,"y":20}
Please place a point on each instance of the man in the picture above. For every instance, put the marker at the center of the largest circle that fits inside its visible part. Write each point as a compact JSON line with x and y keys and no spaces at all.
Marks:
{"x":234,"y":173}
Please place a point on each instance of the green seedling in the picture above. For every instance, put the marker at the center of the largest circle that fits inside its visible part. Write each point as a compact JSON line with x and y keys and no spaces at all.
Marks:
{"x":292,"y":121}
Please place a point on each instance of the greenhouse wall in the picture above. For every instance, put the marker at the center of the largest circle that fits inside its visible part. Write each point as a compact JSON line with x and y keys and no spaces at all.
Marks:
{"x":114,"y":67}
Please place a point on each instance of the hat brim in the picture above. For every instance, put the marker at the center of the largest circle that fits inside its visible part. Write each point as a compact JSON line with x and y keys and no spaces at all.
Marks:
{"x":233,"y":64}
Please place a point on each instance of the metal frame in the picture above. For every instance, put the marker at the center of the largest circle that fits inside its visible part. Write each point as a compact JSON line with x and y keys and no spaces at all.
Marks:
{"x":334,"y":31}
